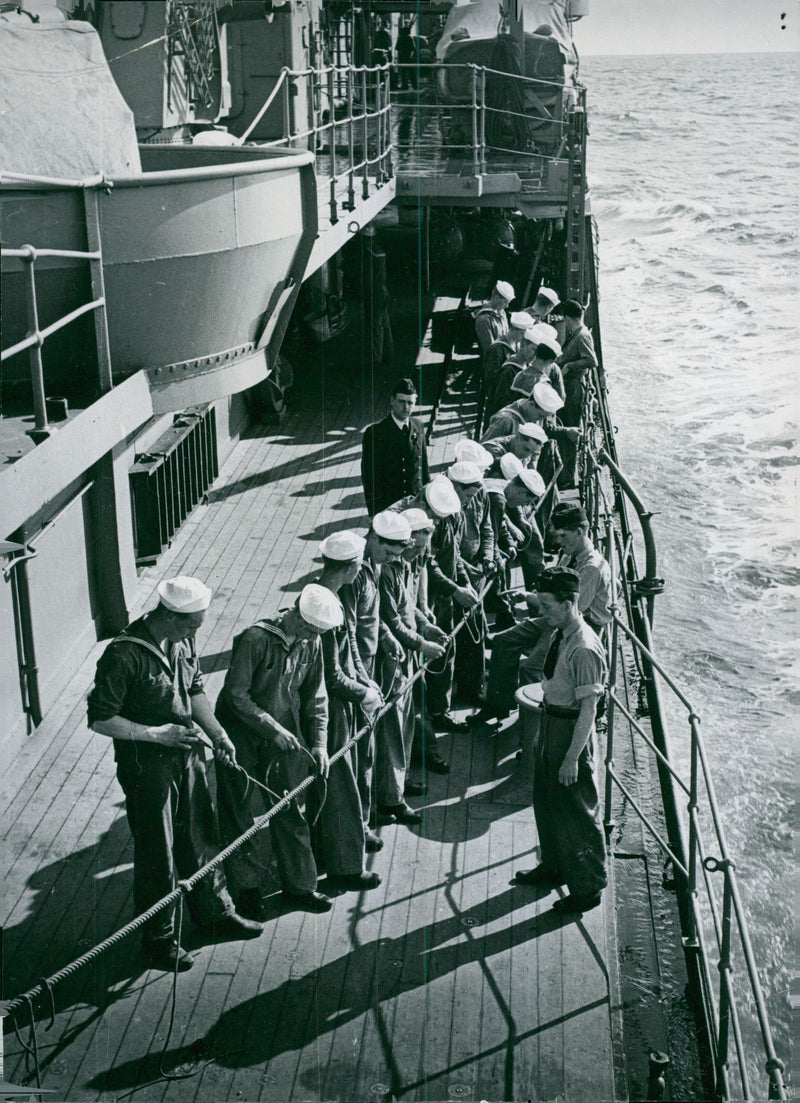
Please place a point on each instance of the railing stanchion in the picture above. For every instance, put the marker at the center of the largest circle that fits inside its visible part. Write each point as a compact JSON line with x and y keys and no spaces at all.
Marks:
{"x":724,"y":986}
{"x":483,"y":122}
{"x":608,"y":821}
{"x":351,"y":146}
{"x":691,"y":937}
{"x":365,"y":150}
{"x":475,"y":151}
{"x":41,"y":429}
{"x":287,"y":109}
{"x":93,"y":236}
{"x":332,"y":142}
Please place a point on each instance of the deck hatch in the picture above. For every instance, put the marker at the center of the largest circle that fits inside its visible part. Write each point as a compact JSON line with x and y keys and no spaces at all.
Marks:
{"x":169,"y":480}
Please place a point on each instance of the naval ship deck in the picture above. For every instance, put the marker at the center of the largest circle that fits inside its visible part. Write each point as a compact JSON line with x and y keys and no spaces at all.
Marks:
{"x":445,"y":983}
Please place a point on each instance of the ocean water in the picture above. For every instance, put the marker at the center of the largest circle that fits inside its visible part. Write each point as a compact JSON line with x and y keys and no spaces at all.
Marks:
{"x":693,"y":172}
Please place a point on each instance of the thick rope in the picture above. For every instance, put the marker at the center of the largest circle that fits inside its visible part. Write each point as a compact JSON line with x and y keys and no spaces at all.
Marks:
{"x":184,"y":887}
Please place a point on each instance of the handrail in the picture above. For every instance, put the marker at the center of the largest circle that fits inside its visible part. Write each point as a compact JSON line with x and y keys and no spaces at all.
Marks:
{"x":730,"y":925}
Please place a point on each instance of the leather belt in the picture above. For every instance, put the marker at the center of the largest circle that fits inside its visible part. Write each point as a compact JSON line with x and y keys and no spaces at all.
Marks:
{"x":559,"y":712}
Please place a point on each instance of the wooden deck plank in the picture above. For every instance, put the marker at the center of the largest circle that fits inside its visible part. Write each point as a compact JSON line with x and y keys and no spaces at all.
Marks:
{"x":389,"y":990}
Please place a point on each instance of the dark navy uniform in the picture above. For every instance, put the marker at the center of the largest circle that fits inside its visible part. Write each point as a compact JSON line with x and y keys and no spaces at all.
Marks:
{"x":394,"y":462}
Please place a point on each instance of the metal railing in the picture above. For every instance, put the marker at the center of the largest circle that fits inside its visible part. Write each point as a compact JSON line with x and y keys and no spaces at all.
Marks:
{"x":38,"y":334}
{"x":349,"y":128}
{"x":715,"y":934}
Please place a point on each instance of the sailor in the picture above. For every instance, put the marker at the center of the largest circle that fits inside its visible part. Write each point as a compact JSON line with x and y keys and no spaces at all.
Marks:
{"x":565,"y":800}
{"x":387,"y":537}
{"x":577,"y":359}
{"x":512,"y":501}
{"x":148,"y":696}
{"x":525,"y":444}
{"x":399,"y":583}
{"x":491,"y":321}
{"x":541,"y":403}
{"x":339,"y":830}
{"x":544,"y":304}
{"x":498,"y":353}
{"x":274,"y":706}
{"x":543,"y":366}
{"x":394,"y":458}
{"x":571,"y":530}
{"x":477,"y":550}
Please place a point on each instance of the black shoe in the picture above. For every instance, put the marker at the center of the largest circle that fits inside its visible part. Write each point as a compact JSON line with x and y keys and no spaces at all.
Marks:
{"x":232,"y":927}
{"x":489,"y":713}
{"x":402,"y":813}
{"x":251,"y":905}
{"x":307,"y":901}
{"x":415,"y":789}
{"x":354,"y":882}
{"x":577,"y":903}
{"x":541,"y":875}
{"x":166,"y":955}
{"x":372,"y":842}
{"x":446,"y":722}
{"x":435,"y":762}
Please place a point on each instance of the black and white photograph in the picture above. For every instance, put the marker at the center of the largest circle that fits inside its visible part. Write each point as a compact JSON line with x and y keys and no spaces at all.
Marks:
{"x":398,"y":550}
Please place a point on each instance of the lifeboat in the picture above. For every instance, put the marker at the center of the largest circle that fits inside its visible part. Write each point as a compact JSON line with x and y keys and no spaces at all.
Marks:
{"x":200,"y":273}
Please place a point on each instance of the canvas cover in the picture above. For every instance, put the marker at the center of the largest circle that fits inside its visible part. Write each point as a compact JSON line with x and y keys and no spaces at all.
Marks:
{"x":480,"y":20}
{"x":61,"y":114}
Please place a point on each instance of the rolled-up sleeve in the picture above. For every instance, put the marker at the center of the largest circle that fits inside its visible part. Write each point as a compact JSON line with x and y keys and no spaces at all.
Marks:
{"x":589,"y":672}
{"x":116,"y":673}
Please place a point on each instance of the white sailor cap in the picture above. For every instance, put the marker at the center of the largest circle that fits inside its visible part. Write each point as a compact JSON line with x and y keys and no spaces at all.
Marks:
{"x":344,"y":546}
{"x":184,"y":594}
{"x":391,"y":526}
{"x":440,"y":494}
{"x":465,"y":473}
{"x":417,"y":519}
{"x":510,"y":465}
{"x":542,"y":330}
{"x":320,"y":607}
{"x":549,"y":294}
{"x":533,"y":481}
{"x":549,"y":342}
{"x":506,"y":290}
{"x":547,"y":398}
{"x":470,"y":451}
{"x":532,"y":431}
{"x":520,"y":320}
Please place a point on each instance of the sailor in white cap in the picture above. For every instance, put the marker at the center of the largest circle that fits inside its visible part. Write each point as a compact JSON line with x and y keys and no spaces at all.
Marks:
{"x":274,"y":706}
{"x":402,"y":617}
{"x":472,"y":452}
{"x":353,"y":698}
{"x":148,"y":696}
{"x":387,"y":538}
{"x":477,"y":548}
{"x":502,"y":349}
{"x":543,"y":367}
{"x":577,"y":360}
{"x":491,"y":320}
{"x":525,"y":445}
{"x":544,"y":304}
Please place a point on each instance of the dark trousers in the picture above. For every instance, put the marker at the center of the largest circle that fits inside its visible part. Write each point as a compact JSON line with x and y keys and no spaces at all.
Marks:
{"x":339,"y":831}
{"x":571,"y":414}
{"x":568,"y":816}
{"x":174,"y":833}
{"x":289,"y":832}
{"x":529,"y":636}
{"x":439,"y":680}
{"x":470,"y":661}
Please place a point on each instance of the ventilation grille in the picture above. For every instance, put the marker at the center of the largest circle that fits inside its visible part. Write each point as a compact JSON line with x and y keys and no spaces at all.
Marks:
{"x":169,"y":480}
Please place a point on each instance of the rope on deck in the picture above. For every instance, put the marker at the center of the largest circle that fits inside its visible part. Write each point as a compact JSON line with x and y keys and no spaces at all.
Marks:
{"x":183,"y":887}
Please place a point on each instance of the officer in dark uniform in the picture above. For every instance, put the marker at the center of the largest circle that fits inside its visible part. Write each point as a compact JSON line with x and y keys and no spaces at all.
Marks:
{"x":565,"y":800}
{"x":394,"y":458}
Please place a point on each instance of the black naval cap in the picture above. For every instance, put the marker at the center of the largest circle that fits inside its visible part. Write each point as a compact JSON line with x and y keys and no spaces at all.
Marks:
{"x":404,"y":386}
{"x":561,"y":581}
{"x":566,"y":516}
